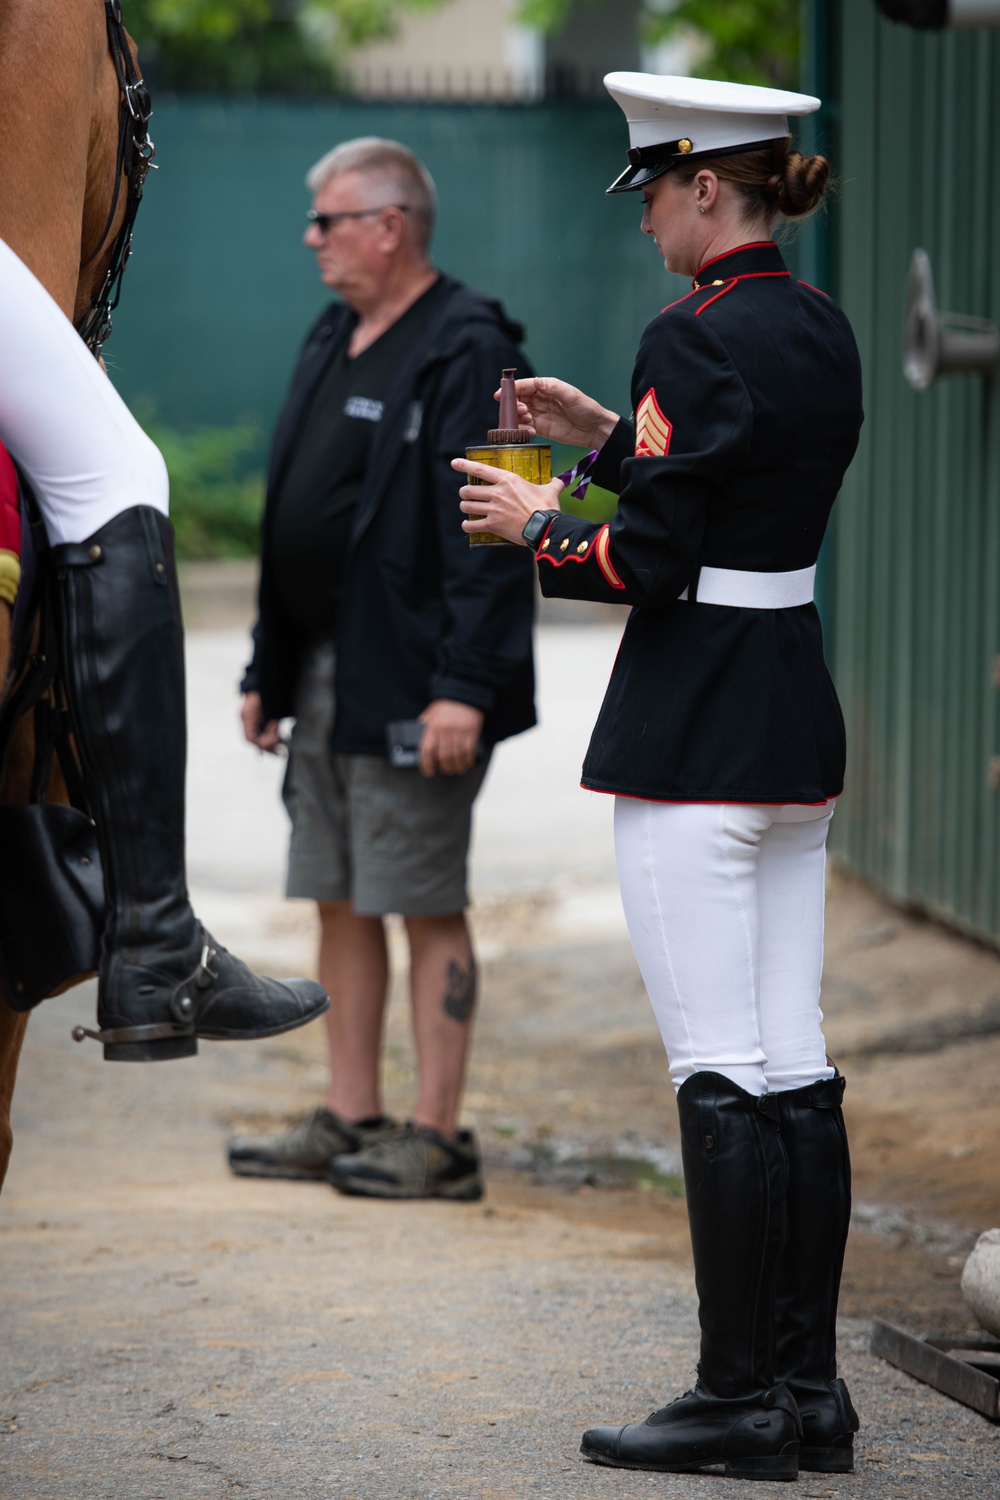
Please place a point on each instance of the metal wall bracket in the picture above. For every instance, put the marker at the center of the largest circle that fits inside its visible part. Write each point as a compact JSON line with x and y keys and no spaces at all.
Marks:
{"x":941,"y":343}
{"x":937,"y":15}
{"x":967,"y":1369}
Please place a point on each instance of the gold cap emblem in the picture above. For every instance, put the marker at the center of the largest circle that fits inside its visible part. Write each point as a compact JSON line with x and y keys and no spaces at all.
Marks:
{"x":684,"y":146}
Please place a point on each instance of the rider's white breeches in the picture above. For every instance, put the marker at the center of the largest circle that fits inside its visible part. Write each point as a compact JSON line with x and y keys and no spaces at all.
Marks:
{"x":84,"y":453}
{"x":724,"y":904}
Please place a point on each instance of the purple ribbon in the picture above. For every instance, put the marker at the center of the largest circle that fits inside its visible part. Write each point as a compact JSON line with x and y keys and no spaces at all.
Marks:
{"x":577,"y":479}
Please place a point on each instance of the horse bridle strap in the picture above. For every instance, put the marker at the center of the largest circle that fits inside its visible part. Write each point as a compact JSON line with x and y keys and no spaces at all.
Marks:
{"x":133,"y":160}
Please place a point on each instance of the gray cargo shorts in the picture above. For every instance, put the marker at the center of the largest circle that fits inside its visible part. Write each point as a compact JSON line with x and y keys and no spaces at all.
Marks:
{"x":385,"y":840}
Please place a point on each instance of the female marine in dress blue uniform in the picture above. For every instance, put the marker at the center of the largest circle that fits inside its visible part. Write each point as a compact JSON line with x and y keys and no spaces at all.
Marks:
{"x":722,"y":740}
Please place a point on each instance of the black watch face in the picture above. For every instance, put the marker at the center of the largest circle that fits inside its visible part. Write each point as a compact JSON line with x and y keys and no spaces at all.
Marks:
{"x":536,"y":526}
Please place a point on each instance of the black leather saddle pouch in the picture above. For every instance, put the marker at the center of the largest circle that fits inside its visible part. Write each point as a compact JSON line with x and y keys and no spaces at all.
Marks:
{"x":51,"y":901}
{"x":52,"y":907}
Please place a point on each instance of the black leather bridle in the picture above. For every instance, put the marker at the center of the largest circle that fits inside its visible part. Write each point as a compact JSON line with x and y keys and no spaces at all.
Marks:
{"x":133,"y":161}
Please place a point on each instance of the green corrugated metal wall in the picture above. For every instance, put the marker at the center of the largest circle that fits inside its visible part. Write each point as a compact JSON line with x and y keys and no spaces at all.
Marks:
{"x":916,"y":594}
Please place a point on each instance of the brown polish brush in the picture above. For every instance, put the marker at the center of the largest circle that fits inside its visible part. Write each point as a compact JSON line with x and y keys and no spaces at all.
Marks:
{"x":510,"y":447}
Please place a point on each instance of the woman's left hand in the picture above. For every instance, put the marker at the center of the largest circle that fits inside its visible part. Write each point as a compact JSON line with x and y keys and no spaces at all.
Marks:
{"x":504,"y":501}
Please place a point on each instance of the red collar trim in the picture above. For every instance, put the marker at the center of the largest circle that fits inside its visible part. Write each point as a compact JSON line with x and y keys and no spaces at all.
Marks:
{"x":751,"y":245}
{"x":727,"y":286}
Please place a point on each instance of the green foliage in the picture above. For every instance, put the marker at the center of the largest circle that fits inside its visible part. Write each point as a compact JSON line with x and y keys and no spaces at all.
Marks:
{"x":547,"y":15}
{"x":216,"y":488}
{"x":356,"y":21}
{"x":745,"y":41}
{"x":217,"y":20}
{"x":597,"y":504}
{"x":296,"y":46}
{"x":225,"y":46}
{"x":748,"y":41}
{"x":257,"y":46}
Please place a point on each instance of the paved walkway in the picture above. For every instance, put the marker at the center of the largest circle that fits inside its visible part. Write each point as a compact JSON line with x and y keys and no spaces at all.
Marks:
{"x":172,"y":1332}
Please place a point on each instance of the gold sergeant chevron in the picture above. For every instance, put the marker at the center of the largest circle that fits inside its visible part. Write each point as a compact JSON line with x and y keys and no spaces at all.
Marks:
{"x":652,"y":429}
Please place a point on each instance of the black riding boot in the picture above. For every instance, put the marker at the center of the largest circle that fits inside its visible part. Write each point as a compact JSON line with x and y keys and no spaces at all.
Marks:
{"x":163,"y":982}
{"x":734,"y":1175}
{"x":807,"y":1281}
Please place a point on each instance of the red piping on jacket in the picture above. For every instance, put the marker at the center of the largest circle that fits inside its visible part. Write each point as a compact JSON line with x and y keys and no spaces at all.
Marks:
{"x":753,"y":245}
{"x":545,"y":537}
{"x":747,"y":276}
{"x":812,"y":288}
{"x":681,"y":299}
{"x":603,"y":562}
{"x":726,"y":288}
{"x":577,"y":557}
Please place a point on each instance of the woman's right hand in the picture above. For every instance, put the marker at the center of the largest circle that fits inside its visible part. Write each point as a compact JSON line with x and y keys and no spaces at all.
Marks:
{"x":556,"y":410}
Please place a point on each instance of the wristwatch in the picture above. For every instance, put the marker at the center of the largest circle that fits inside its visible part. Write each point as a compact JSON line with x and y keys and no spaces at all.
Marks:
{"x":537,"y":525}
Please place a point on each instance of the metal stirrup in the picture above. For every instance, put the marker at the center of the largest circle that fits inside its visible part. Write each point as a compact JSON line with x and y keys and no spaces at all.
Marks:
{"x":182,"y":1005}
{"x":117,"y":1034}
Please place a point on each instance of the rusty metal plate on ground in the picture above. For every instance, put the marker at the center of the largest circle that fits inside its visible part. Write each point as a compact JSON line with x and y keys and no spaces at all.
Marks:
{"x":967,"y":1369}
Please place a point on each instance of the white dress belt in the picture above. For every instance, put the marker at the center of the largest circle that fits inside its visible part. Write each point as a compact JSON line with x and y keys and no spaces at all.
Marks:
{"x":744,"y":590}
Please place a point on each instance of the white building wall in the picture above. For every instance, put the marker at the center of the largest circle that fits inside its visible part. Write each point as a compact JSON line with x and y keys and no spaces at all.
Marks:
{"x":464,"y":49}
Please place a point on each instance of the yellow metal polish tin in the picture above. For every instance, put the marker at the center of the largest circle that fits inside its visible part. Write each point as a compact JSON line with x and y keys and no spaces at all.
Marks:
{"x":533,"y":461}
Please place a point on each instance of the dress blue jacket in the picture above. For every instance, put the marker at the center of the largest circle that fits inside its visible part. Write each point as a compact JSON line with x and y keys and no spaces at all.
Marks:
{"x":747,"y":403}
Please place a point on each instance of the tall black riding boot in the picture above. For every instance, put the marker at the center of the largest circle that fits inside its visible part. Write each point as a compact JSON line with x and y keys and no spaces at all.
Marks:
{"x":736,"y":1416}
{"x":807,"y":1281}
{"x":164,"y":982}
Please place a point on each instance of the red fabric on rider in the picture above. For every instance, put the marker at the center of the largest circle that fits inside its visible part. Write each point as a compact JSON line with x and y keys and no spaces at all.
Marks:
{"x":10,"y":508}
{"x":10,"y":528}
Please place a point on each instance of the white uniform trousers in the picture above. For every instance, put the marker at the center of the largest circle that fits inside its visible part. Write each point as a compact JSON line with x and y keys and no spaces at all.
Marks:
{"x":724,"y":905}
{"x":85,"y":455}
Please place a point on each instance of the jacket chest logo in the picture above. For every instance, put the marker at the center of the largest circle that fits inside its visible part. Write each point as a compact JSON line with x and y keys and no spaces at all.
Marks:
{"x":652,"y":429}
{"x":364,"y":407}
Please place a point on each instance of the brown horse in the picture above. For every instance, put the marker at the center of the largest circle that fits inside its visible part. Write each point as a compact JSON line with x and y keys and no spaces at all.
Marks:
{"x":59,"y":123}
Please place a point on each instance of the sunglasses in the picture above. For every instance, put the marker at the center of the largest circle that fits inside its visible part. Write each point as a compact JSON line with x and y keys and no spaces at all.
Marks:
{"x":325,"y":222}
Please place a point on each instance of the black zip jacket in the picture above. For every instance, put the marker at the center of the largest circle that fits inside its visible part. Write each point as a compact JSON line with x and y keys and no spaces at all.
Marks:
{"x":423,"y":615}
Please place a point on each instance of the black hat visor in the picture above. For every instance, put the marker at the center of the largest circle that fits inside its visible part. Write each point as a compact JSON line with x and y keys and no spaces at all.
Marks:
{"x":647,"y":163}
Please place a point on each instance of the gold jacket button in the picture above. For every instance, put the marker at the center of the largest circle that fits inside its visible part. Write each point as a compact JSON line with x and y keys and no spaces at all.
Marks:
{"x":564,"y":544}
{"x":583,"y":547}
{"x":544,"y":544}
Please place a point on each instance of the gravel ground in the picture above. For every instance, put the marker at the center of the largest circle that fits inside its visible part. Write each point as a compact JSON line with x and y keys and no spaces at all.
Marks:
{"x":173,"y":1332}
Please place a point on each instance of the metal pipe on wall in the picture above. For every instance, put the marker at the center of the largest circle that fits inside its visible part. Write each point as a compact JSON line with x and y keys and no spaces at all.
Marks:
{"x":939,"y":15}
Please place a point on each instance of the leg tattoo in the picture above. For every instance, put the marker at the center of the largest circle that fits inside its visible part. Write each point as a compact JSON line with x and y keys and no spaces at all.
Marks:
{"x":460,"y":996}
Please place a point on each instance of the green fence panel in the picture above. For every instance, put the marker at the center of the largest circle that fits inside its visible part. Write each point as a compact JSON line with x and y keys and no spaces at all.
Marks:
{"x":221,"y":290}
{"x":917,"y":572}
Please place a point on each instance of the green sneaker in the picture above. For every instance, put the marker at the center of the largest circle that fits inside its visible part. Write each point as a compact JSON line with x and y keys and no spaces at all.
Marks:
{"x":416,"y":1162}
{"x":304,"y":1151}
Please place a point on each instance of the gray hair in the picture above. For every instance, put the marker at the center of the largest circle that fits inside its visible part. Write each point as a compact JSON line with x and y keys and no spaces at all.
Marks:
{"x":403,"y":173}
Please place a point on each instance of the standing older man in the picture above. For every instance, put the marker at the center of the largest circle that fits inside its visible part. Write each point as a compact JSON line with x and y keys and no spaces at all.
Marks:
{"x":373,"y":610}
